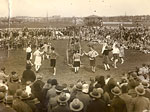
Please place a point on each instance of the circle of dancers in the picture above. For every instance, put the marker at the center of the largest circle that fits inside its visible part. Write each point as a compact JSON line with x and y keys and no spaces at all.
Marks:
{"x":46,"y":51}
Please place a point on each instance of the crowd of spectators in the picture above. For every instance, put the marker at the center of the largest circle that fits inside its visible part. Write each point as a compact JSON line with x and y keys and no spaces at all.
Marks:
{"x":134,"y":38}
{"x":29,"y":93}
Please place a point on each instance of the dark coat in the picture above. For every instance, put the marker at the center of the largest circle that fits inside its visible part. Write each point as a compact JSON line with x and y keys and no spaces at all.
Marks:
{"x":3,"y":108}
{"x":7,"y":109}
{"x":12,"y":87}
{"x":60,"y":108}
{"x":85,"y":98}
{"x":118,"y":105}
{"x":97,"y":105}
{"x":147,"y":94}
{"x":20,"y":106}
{"x":37,"y":88}
{"x":28,"y":75}
{"x":31,"y":104}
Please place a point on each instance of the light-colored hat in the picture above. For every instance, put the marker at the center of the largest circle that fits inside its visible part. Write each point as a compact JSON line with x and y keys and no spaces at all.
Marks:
{"x":24,"y":95}
{"x":76,"y":105}
{"x":116,"y":91}
{"x":79,"y":86}
{"x":145,"y":84}
{"x":95,"y":94}
{"x":100,"y":90}
{"x":62,"y":98}
{"x":140,"y":90}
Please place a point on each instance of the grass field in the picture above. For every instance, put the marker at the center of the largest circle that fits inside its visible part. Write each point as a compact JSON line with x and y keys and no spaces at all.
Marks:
{"x":14,"y":60}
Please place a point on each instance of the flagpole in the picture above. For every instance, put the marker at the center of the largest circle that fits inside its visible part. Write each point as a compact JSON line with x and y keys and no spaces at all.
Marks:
{"x":9,"y":16}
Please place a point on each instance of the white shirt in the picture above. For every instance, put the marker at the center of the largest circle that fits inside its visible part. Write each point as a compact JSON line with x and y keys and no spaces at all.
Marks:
{"x":28,"y":50}
{"x":92,"y":54}
{"x":116,"y":50}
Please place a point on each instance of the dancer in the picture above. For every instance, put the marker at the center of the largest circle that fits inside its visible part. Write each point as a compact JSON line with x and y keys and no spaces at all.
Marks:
{"x":38,"y":59}
{"x":45,"y":50}
{"x":92,"y":57}
{"x":53,"y":55}
{"x":29,"y":54}
{"x":121,"y":54}
{"x":116,"y":52}
{"x":105,"y":54}
{"x":77,"y":61}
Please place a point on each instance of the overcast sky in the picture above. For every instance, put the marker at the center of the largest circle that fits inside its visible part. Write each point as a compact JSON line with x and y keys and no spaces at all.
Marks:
{"x":80,"y":8}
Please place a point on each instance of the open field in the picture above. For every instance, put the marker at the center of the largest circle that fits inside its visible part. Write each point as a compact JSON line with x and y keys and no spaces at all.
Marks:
{"x":14,"y":60}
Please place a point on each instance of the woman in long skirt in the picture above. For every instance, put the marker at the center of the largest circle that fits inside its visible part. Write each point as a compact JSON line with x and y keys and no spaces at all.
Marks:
{"x":38,"y":59}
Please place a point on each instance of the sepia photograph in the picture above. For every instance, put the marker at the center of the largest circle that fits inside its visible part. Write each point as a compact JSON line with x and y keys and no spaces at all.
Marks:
{"x":74,"y":55}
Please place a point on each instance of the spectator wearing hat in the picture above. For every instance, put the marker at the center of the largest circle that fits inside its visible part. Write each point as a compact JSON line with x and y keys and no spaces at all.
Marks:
{"x":8,"y":104}
{"x":117,"y":104}
{"x":104,"y":96}
{"x":143,"y":70}
{"x":96,"y":104}
{"x":140,"y":103}
{"x":132,"y":84}
{"x":147,"y":90}
{"x":14,"y":85}
{"x":30,"y":101}
{"x":127,"y":98}
{"x":83,"y":97}
{"x":62,"y":106}
{"x":53,"y":99}
{"x":2,"y":96}
{"x":46,"y":87}
{"x":3,"y":76}
{"x":51,"y":94}
{"x":13,"y":74}
{"x":52,"y":90}
{"x":76,"y":106}
{"x":100,"y":82}
{"x":28,"y":75}
{"x":3,"y":89}
{"x":110,"y":85}
{"x":18,"y":103}
{"x":37,"y":87}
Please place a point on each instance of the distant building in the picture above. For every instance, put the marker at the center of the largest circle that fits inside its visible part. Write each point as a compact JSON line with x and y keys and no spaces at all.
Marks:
{"x":93,"y":20}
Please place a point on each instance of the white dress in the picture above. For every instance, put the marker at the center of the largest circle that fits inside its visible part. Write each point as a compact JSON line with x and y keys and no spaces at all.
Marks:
{"x":38,"y":58}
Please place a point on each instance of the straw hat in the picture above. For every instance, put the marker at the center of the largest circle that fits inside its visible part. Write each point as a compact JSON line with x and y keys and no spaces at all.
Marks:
{"x":76,"y":105}
{"x":95,"y":94}
{"x":24,"y":95}
{"x":116,"y":91}
{"x":145,"y":84}
{"x":59,"y":88}
{"x":140,"y":90}
{"x":79,"y":86}
{"x":62,"y":98}
{"x":2,"y":89}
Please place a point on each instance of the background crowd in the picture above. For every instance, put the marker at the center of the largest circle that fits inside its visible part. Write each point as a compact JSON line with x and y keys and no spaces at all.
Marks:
{"x":134,"y":38}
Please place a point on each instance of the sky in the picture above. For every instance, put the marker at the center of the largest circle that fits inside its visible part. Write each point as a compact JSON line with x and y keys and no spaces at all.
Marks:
{"x":70,"y":8}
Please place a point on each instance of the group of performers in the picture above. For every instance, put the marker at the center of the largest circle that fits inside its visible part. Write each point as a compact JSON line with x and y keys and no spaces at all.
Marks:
{"x":42,"y":52}
{"x":75,"y":53}
{"x":117,"y":50}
